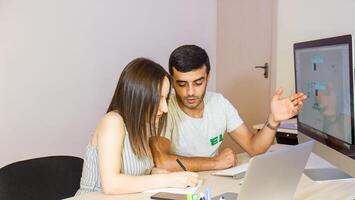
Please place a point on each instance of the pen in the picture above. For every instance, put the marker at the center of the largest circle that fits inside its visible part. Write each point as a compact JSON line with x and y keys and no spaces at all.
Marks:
{"x":181,"y":165}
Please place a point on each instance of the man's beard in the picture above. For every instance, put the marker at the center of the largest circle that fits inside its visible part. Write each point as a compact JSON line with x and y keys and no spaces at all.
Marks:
{"x":198,"y":99}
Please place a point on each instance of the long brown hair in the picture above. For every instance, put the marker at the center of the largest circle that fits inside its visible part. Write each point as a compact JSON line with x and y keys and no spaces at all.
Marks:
{"x":137,"y":98}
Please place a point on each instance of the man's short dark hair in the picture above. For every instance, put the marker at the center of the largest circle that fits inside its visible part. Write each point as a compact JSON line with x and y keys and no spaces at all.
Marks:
{"x":187,"y":58}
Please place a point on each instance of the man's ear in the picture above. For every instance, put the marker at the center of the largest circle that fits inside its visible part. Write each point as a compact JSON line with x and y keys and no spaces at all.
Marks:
{"x":173,"y":83}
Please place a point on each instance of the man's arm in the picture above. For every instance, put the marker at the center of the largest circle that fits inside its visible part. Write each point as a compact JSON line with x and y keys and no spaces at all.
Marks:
{"x":281,"y":109}
{"x":163,"y":158}
{"x":253,"y":144}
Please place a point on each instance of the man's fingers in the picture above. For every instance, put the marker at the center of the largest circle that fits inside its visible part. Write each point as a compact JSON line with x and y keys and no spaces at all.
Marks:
{"x":278,"y":94}
{"x":298,"y":101}
{"x":279,"y":91}
{"x":297,"y":96}
{"x":297,"y":108}
{"x":235,"y":161}
{"x":295,"y":102}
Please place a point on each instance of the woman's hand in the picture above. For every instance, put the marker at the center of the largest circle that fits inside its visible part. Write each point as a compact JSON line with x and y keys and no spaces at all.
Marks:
{"x":159,"y":171}
{"x":183,"y":179}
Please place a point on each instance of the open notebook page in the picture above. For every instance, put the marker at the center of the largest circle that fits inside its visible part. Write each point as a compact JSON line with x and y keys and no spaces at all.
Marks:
{"x":177,"y":190}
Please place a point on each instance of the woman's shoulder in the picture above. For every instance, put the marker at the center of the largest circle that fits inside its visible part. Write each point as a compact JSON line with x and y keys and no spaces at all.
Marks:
{"x":112,"y":117}
{"x":111,"y":120}
{"x":112,"y":124}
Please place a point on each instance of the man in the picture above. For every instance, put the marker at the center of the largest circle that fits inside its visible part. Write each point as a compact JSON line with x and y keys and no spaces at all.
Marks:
{"x":197,"y":120}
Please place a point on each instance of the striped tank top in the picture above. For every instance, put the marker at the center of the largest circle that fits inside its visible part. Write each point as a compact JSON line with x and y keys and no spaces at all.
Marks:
{"x":131,"y":165}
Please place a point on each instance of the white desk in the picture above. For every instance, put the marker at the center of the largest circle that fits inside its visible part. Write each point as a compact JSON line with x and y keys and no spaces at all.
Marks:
{"x":307,"y":189}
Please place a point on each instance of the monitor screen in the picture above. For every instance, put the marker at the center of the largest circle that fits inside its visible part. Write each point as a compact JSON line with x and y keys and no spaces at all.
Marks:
{"x":324,"y":72}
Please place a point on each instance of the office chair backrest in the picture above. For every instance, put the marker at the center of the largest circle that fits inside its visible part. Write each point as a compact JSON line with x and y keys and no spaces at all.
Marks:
{"x":53,"y":177}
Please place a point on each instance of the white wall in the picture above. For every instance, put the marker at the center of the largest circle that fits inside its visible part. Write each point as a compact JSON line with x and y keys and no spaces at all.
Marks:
{"x":304,"y":20}
{"x":60,"y":61}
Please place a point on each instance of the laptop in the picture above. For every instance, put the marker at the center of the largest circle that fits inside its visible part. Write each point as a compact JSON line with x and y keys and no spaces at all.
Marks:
{"x":273,"y":175}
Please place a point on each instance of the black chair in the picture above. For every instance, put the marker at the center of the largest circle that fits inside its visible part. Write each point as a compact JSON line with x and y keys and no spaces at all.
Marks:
{"x":53,"y":177}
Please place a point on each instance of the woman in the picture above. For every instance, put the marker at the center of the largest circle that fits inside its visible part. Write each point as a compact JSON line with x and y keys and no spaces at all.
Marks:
{"x":118,"y":159}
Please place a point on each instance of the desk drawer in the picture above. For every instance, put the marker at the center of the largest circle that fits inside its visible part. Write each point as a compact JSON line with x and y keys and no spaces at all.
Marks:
{"x":286,"y":138}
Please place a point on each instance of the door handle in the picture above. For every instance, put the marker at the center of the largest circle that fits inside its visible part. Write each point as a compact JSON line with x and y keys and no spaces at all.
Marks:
{"x":266,"y":69}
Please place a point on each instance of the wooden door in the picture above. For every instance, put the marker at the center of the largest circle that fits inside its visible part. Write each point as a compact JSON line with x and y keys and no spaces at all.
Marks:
{"x":244,"y":39}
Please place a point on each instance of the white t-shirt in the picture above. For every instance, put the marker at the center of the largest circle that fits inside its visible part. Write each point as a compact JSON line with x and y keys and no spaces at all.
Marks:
{"x":201,"y":136}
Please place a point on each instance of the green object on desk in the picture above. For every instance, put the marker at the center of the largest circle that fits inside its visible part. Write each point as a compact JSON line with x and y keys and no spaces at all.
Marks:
{"x":195,"y":197}
{"x":189,"y":196}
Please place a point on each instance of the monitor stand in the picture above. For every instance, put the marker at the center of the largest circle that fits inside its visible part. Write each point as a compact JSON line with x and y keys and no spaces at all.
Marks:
{"x":326,"y":174}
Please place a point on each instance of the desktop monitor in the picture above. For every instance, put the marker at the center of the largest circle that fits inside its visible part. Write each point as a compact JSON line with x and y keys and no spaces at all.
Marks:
{"x":324,"y":72}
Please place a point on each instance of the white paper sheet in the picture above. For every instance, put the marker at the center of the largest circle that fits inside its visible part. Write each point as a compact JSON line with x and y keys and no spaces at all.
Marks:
{"x":177,"y":190}
{"x":232,"y":171}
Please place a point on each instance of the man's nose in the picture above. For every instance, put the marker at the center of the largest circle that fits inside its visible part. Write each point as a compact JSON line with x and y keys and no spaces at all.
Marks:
{"x":190,"y":90}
